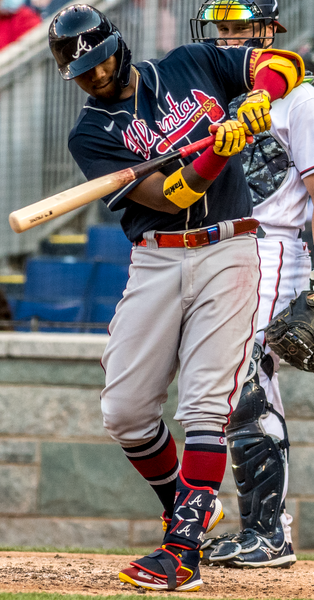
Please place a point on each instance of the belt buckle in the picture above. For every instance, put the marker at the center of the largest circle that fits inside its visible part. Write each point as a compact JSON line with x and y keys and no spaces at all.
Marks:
{"x":185,"y":240}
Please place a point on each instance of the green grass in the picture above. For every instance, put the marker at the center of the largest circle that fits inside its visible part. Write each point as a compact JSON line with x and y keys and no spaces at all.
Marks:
{"x":117,"y":551}
{"x":305,"y":556}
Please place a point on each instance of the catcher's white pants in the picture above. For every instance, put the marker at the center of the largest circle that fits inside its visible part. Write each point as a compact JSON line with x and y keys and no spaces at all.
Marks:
{"x":196,"y":307}
{"x":286,"y":266}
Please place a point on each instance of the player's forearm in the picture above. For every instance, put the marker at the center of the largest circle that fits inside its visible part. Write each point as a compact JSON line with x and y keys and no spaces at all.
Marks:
{"x":150,"y":192}
{"x":188,"y":184}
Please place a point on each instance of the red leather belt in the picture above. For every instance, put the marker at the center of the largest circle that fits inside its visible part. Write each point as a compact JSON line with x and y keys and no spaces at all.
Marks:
{"x":196,"y":238}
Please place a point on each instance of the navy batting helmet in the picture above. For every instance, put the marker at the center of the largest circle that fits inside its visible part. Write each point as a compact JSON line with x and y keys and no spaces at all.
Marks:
{"x":81,"y":37}
{"x":258,"y":12}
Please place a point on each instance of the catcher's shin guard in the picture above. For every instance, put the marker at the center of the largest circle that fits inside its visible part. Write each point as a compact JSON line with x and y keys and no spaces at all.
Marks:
{"x":258,"y":460}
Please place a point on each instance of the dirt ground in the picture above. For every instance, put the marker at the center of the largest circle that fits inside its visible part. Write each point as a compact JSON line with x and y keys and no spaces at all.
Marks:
{"x":93,"y":574}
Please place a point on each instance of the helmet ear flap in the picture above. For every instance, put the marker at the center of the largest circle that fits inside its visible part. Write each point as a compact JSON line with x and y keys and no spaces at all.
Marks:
{"x":124,"y":57}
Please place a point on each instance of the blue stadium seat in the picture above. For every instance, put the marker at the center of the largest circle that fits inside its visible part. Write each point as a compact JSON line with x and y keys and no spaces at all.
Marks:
{"x":62,"y":312}
{"x":108,"y":243}
{"x":108,"y":280}
{"x":101,"y":311}
{"x":49,"y":279}
{"x":12,"y":300}
{"x":71,"y":290}
{"x":12,"y":285}
{"x":64,"y":245}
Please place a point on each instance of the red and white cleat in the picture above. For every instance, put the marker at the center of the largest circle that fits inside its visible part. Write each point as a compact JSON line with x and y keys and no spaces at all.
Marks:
{"x":163,"y":570}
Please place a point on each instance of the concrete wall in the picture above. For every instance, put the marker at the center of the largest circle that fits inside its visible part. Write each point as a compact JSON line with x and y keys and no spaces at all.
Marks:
{"x":63,"y":482}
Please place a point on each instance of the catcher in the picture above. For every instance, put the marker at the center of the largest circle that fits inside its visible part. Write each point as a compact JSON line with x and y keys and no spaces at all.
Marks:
{"x":279,"y":169}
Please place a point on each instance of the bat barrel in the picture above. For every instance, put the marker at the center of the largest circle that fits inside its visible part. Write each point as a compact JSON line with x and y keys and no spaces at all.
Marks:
{"x":64,"y":202}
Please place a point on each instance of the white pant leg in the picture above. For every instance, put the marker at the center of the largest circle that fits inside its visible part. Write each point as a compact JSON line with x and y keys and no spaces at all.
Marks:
{"x":213,"y":289}
{"x":286,"y":267}
{"x":140,"y":359}
{"x":220,"y":313}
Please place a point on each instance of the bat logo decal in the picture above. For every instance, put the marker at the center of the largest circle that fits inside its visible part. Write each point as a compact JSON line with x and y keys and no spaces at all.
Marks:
{"x":81,"y":45}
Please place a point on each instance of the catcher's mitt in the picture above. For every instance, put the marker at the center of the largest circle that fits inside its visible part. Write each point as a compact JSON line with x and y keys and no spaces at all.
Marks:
{"x":291,"y":333}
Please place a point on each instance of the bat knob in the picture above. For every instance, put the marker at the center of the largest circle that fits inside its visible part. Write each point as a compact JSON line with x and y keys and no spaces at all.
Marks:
{"x":14,"y":223}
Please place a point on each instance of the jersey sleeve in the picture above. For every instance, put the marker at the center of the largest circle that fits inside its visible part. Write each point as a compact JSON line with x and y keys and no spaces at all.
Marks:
{"x":228,"y":66}
{"x":301,"y":126}
{"x":97,"y":157}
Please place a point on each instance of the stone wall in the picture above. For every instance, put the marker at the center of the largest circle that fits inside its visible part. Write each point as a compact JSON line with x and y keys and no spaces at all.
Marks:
{"x":63,"y":482}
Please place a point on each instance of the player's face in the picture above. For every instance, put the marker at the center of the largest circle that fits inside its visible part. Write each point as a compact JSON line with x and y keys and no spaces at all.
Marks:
{"x":236,"y":33}
{"x":100,"y":81}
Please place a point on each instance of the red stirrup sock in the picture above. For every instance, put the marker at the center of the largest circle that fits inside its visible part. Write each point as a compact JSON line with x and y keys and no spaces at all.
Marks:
{"x":204,"y":458}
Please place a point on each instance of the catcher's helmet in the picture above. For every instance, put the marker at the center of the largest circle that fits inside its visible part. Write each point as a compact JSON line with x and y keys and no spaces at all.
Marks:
{"x":258,"y":12}
{"x":81,"y":37}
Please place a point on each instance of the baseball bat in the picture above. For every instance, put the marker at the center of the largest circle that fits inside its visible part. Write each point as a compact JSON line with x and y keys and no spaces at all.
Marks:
{"x":62,"y":203}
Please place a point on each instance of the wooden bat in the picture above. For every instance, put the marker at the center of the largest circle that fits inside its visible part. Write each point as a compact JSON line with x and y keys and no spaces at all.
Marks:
{"x":59,"y":204}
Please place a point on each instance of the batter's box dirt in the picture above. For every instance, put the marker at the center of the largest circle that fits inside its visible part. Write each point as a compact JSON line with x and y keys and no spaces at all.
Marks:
{"x":97,"y":574}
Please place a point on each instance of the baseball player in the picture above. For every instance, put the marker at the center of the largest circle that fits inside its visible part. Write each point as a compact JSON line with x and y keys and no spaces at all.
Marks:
{"x":192,"y":295}
{"x":279,"y":169}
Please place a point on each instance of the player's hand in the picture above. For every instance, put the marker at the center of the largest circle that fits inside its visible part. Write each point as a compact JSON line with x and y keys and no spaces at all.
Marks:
{"x":253,"y":113}
{"x":230,"y":138}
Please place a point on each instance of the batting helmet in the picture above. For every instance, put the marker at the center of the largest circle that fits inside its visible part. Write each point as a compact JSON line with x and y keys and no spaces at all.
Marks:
{"x":258,"y":12}
{"x":81,"y":37}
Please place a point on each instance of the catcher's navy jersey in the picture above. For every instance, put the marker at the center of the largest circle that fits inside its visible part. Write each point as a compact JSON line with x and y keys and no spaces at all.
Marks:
{"x":179,"y":96}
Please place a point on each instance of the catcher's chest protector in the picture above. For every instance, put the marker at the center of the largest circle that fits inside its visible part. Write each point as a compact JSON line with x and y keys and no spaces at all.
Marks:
{"x":265,"y":162}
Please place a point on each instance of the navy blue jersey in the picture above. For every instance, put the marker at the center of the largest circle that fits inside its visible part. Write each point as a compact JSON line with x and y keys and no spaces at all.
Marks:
{"x":179,"y":96}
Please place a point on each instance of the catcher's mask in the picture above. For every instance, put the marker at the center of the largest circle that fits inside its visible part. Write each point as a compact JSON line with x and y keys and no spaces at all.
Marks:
{"x":81,"y":37}
{"x":259,"y":13}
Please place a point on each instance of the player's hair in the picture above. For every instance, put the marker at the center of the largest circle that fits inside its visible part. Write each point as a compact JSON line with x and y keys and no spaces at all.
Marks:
{"x":258,"y":12}
{"x":81,"y":37}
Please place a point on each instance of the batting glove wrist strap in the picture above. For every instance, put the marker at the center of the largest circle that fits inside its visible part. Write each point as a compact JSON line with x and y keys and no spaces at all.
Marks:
{"x":177,"y":190}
